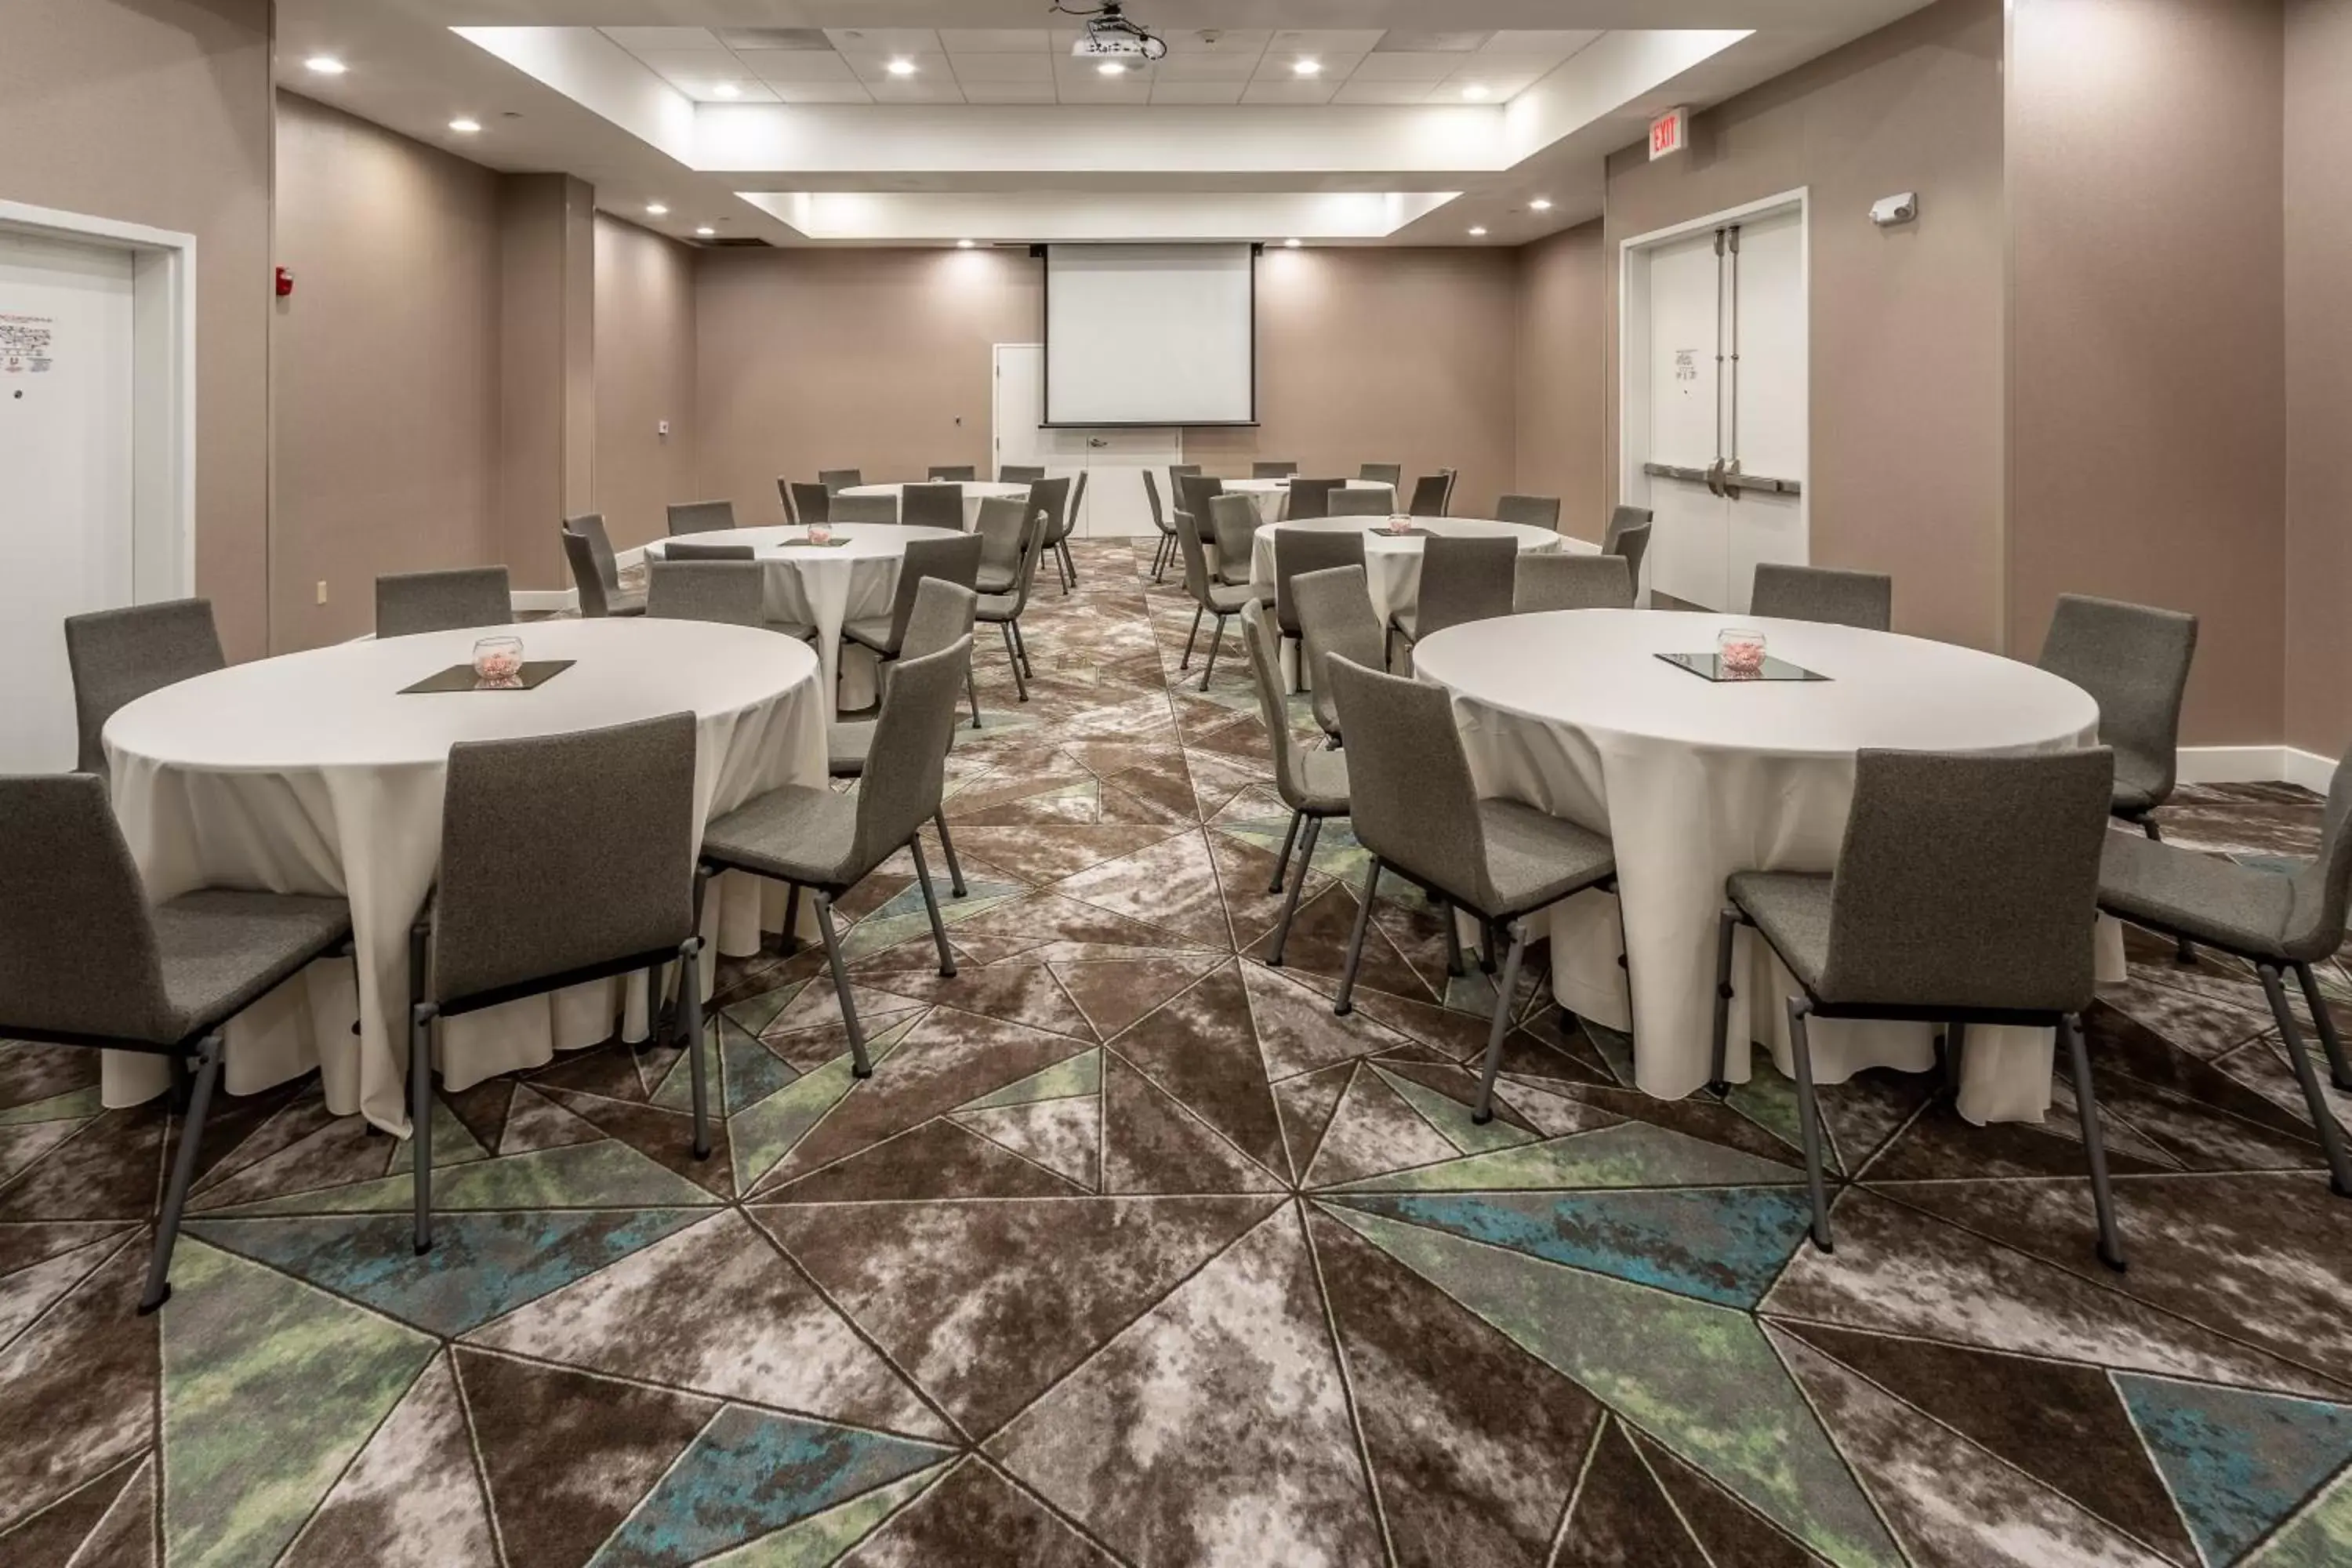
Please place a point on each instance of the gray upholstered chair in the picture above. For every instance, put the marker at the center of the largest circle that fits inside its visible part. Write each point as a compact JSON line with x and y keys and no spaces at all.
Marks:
{"x":829,"y":843}
{"x":1313,"y":783}
{"x":1000,"y":521}
{"x":1462,"y":579}
{"x":733,"y":592}
{"x":942,"y":617}
{"x":2134,"y":661}
{"x":1965,"y":892}
{"x":675,"y":551}
{"x":1335,"y":620}
{"x":1166,"y":545}
{"x":1308,"y":499}
{"x":954,"y":473}
{"x":865,"y":509}
{"x":1388,"y":474}
{"x":1350,"y":501}
{"x":86,"y":960}
{"x":1536,"y":511}
{"x":955,"y":560}
{"x":411,"y":602}
{"x":1176,"y":472}
{"x":2275,"y":921}
{"x":1628,"y":535}
{"x":1862,"y":599}
{"x":564,"y":859}
{"x":1559,"y":580}
{"x":809,"y":503}
{"x":1065,"y":523}
{"x":594,"y":572}
{"x":836,"y":480}
{"x":1302,"y":550}
{"x":1433,"y":493}
{"x":1271,"y":469}
{"x":1017,"y":535}
{"x":700,"y":516}
{"x":1194,"y":491}
{"x":932,"y":506}
{"x":1018,"y":474}
{"x":120,"y":655}
{"x":1234,"y":523}
{"x":1412,"y":803}
{"x":1210,"y":597}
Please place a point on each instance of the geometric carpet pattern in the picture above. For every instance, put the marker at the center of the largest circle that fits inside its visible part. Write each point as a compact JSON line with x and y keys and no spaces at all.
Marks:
{"x":1131,"y":1253}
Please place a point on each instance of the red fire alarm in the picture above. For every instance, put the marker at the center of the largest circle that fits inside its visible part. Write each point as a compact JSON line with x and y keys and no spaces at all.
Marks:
{"x":285,"y":283}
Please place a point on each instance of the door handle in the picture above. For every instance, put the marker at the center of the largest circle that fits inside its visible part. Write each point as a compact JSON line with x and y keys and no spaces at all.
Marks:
{"x":1096,"y":441}
{"x":1715,"y":479}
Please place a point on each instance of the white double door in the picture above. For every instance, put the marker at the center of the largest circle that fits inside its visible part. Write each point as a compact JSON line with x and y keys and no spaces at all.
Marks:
{"x":1113,"y":458}
{"x":1716,"y":401}
{"x":66,"y":467}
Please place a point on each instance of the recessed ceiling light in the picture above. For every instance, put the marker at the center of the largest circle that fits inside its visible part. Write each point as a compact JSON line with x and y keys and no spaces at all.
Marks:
{"x":1479,"y":232}
{"x":1475,"y":89}
{"x":1289,"y":244}
{"x":655,"y":209}
{"x":326,"y":64}
{"x":900,"y":67}
{"x":1540,"y":204}
{"x":1308,"y":67}
{"x":1110,"y":68}
{"x":964,"y":245}
{"x":465,"y":125}
{"x":725,"y":90}
{"x":706,"y":231}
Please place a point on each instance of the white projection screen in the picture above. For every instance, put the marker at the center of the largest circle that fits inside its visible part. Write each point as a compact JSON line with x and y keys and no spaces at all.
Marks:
{"x":1150,"y":334}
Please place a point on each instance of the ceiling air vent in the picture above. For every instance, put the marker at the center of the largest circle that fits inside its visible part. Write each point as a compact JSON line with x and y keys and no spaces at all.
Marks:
{"x":774,"y":39}
{"x":738,"y":242}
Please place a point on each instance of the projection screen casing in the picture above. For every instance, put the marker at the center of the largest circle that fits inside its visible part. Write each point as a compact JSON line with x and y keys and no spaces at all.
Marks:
{"x":1150,"y":334}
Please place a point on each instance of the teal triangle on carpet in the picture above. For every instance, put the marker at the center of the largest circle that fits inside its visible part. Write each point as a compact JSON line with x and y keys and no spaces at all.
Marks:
{"x":764,"y":1132}
{"x":1080,"y":1075}
{"x":1724,"y":1245}
{"x":2237,"y":1461}
{"x":606,"y":1174}
{"x":824,"y":1538}
{"x":1631,"y":1154}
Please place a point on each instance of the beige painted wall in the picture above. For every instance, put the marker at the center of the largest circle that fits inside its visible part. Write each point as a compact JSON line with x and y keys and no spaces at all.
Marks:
{"x":386,"y":413}
{"x":1563,"y":414}
{"x":547,"y":392}
{"x":158,"y":113}
{"x":1905,"y":323}
{"x":2319,"y":265}
{"x":2148,"y":380}
{"x":644,"y":374}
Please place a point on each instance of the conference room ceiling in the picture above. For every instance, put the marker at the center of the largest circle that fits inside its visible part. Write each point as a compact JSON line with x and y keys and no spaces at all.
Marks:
{"x":930,"y":121}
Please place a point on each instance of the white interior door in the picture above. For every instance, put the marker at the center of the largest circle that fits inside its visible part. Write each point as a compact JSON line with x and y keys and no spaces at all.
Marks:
{"x":1765,"y":409}
{"x":1687,"y":539}
{"x":1114,"y":459}
{"x":67,"y":519}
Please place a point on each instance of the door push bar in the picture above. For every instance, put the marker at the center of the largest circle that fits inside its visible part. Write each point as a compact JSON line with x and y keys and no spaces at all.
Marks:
{"x":1721,"y":479}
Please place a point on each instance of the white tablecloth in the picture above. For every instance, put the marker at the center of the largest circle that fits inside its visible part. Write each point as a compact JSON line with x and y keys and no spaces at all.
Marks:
{"x":1272,"y":496}
{"x":311,"y":774}
{"x":974,"y":492}
{"x":1693,"y":781}
{"x":1393,"y":564}
{"x":828,"y":586}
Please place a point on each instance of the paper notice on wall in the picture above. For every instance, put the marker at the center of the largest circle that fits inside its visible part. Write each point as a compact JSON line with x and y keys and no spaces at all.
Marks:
{"x":27,"y":344}
{"x":1687,"y":364}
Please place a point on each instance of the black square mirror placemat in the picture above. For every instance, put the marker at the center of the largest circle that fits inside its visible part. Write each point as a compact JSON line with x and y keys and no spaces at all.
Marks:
{"x":1709,"y":667}
{"x":810,"y":543}
{"x":461,"y":678}
{"x":1384,"y":531}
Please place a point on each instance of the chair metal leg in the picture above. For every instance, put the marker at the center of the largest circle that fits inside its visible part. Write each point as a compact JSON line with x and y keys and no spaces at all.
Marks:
{"x":1192,"y":636}
{"x":972,"y":693}
{"x":1344,"y":1003}
{"x":947,"y":847}
{"x":1282,"y":861}
{"x":181,"y":1083}
{"x":2330,"y":1040}
{"x":1297,"y":885}
{"x":1451,"y":920}
{"x":2323,"y":1118}
{"x":1216,"y":641}
{"x":1486,"y":945}
{"x":1021,"y":647}
{"x":689,"y":1029}
{"x":1502,"y":1024}
{"x":1725,"y":929}
{"x":1069,"y":563}
{"x":183,"y":1173}
{"x":1012,"y":657}
{"x":1809,"y":1115}
{"x":930,"y":906}
{"x":421,"y":1013}
{"x":2184,"y":952}
{"x":1956,"y":1045}
{"x":792,"y":919}
{"x":2094,"y":1149}
{"x":858,"y":1062}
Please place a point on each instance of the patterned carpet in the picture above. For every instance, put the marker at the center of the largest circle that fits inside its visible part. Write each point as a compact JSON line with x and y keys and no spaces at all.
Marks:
{"x":1131,"y":1252}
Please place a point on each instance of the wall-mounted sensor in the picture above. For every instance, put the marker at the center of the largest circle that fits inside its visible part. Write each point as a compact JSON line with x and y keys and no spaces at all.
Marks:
{"x":1888,"y":211}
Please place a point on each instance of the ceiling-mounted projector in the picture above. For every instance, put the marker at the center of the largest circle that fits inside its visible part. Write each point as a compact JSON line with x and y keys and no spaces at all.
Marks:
{"x":1109,"y":35}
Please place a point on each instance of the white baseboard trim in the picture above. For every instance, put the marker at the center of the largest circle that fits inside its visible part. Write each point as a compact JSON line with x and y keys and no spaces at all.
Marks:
{"x":549,"y":601}
{"x":2255,"y":764}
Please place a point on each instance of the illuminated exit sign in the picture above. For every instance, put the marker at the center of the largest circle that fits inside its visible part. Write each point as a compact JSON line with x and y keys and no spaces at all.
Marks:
{"x":1670,"y":132}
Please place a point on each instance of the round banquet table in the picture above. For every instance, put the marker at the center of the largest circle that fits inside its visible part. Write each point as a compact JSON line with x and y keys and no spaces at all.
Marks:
{"x":1571,"y":712}
{"x":1392,"y":563}
{"x":974,"y":492}
{"x":828,"y":586}
{"x":312,"y":772}
{"x":1272,"y":496}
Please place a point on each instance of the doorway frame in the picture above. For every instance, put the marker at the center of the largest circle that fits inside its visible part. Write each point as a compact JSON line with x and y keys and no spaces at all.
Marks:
{"x":162,"y":386}
{"x":1633,"y":336}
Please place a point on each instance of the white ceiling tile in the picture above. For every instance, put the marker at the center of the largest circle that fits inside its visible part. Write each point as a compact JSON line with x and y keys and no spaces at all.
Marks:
{"x":1207,"y":68}
{"x":1359,"y":90}
{"x":1093,"y":89}
{"x":822,"y":91}
{"x":741,"y":38}
{"x":1424,"y":67}
{"x":1226,"y":40}
{"x":994,"y":40}
{"x":638,"y":40}
{"x":1167,"y":90}
{"x":1545,"y":46}
{"x":692,"y":63}
{"x":969,"y":69}
{"x":874,"y":67}
{"x":781,"y":66}
{"x":1325,"y":41}
{"x":934,"y":86}
{"x":1291,"y":92}
{"x":1279,"y":66}
{"x":1409,"y":40}
{"x":748,"y":89}
{"x":884,"y":40}
{"x":1009,"y":91}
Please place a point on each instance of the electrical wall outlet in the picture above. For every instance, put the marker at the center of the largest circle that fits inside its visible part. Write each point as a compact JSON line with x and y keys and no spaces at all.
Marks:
{"x":323,"y":590}
{"x":662,"y":429}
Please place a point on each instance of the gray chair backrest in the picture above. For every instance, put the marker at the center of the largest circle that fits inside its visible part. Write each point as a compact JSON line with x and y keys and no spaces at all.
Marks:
{"x":1968,"y":880}
{"x":580,"y":552}
{"x":943,"y":612}
{"x":954,"y":473}
{"x":1536,"y":511}
{"x":1273,"y":470}
{"x":1863,"y":599}
{"x":837,"y":480}
{"x":1622,"y":519}
{"x":410,"y":602}
{"x":1353,"y":502}
{"x":1193,"y":494}
{"x":2314,"y":926}
{"x":1556,"y":580}
{"x":956,"y":560}
{"x":865,"y":509}
{"x":1158,"y":512}
{"x":906,"y":767}
{"x":1196,"y":564}
{"x":932,"y":506}
{"x":1630,"y":545}
{"x":77,"y":950}
{"x":1274,"y":706}
{"x":1052,"y":497}
{"x":1311,"y":499}
{"x":1232,"y":527}
{"x":1018,"y":474}
{"x":1076,"y":510}
{"x":1335,"y":620}
{"x":677,"y":552}
{"x":1411,"y":800}
{"x":2134,"y":660}
{"x":120,"y":655}
{"x":810,"y":503}
{"x":701,"y":516}
{"x":1001,"y":523}
{"x":1300,"y":550}
{"x":731,"y":591}
{"x":561,"y":853}
{"x":1464,"y":580}
{"x":1388,"y":474}
{"x":1431,"y":492}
